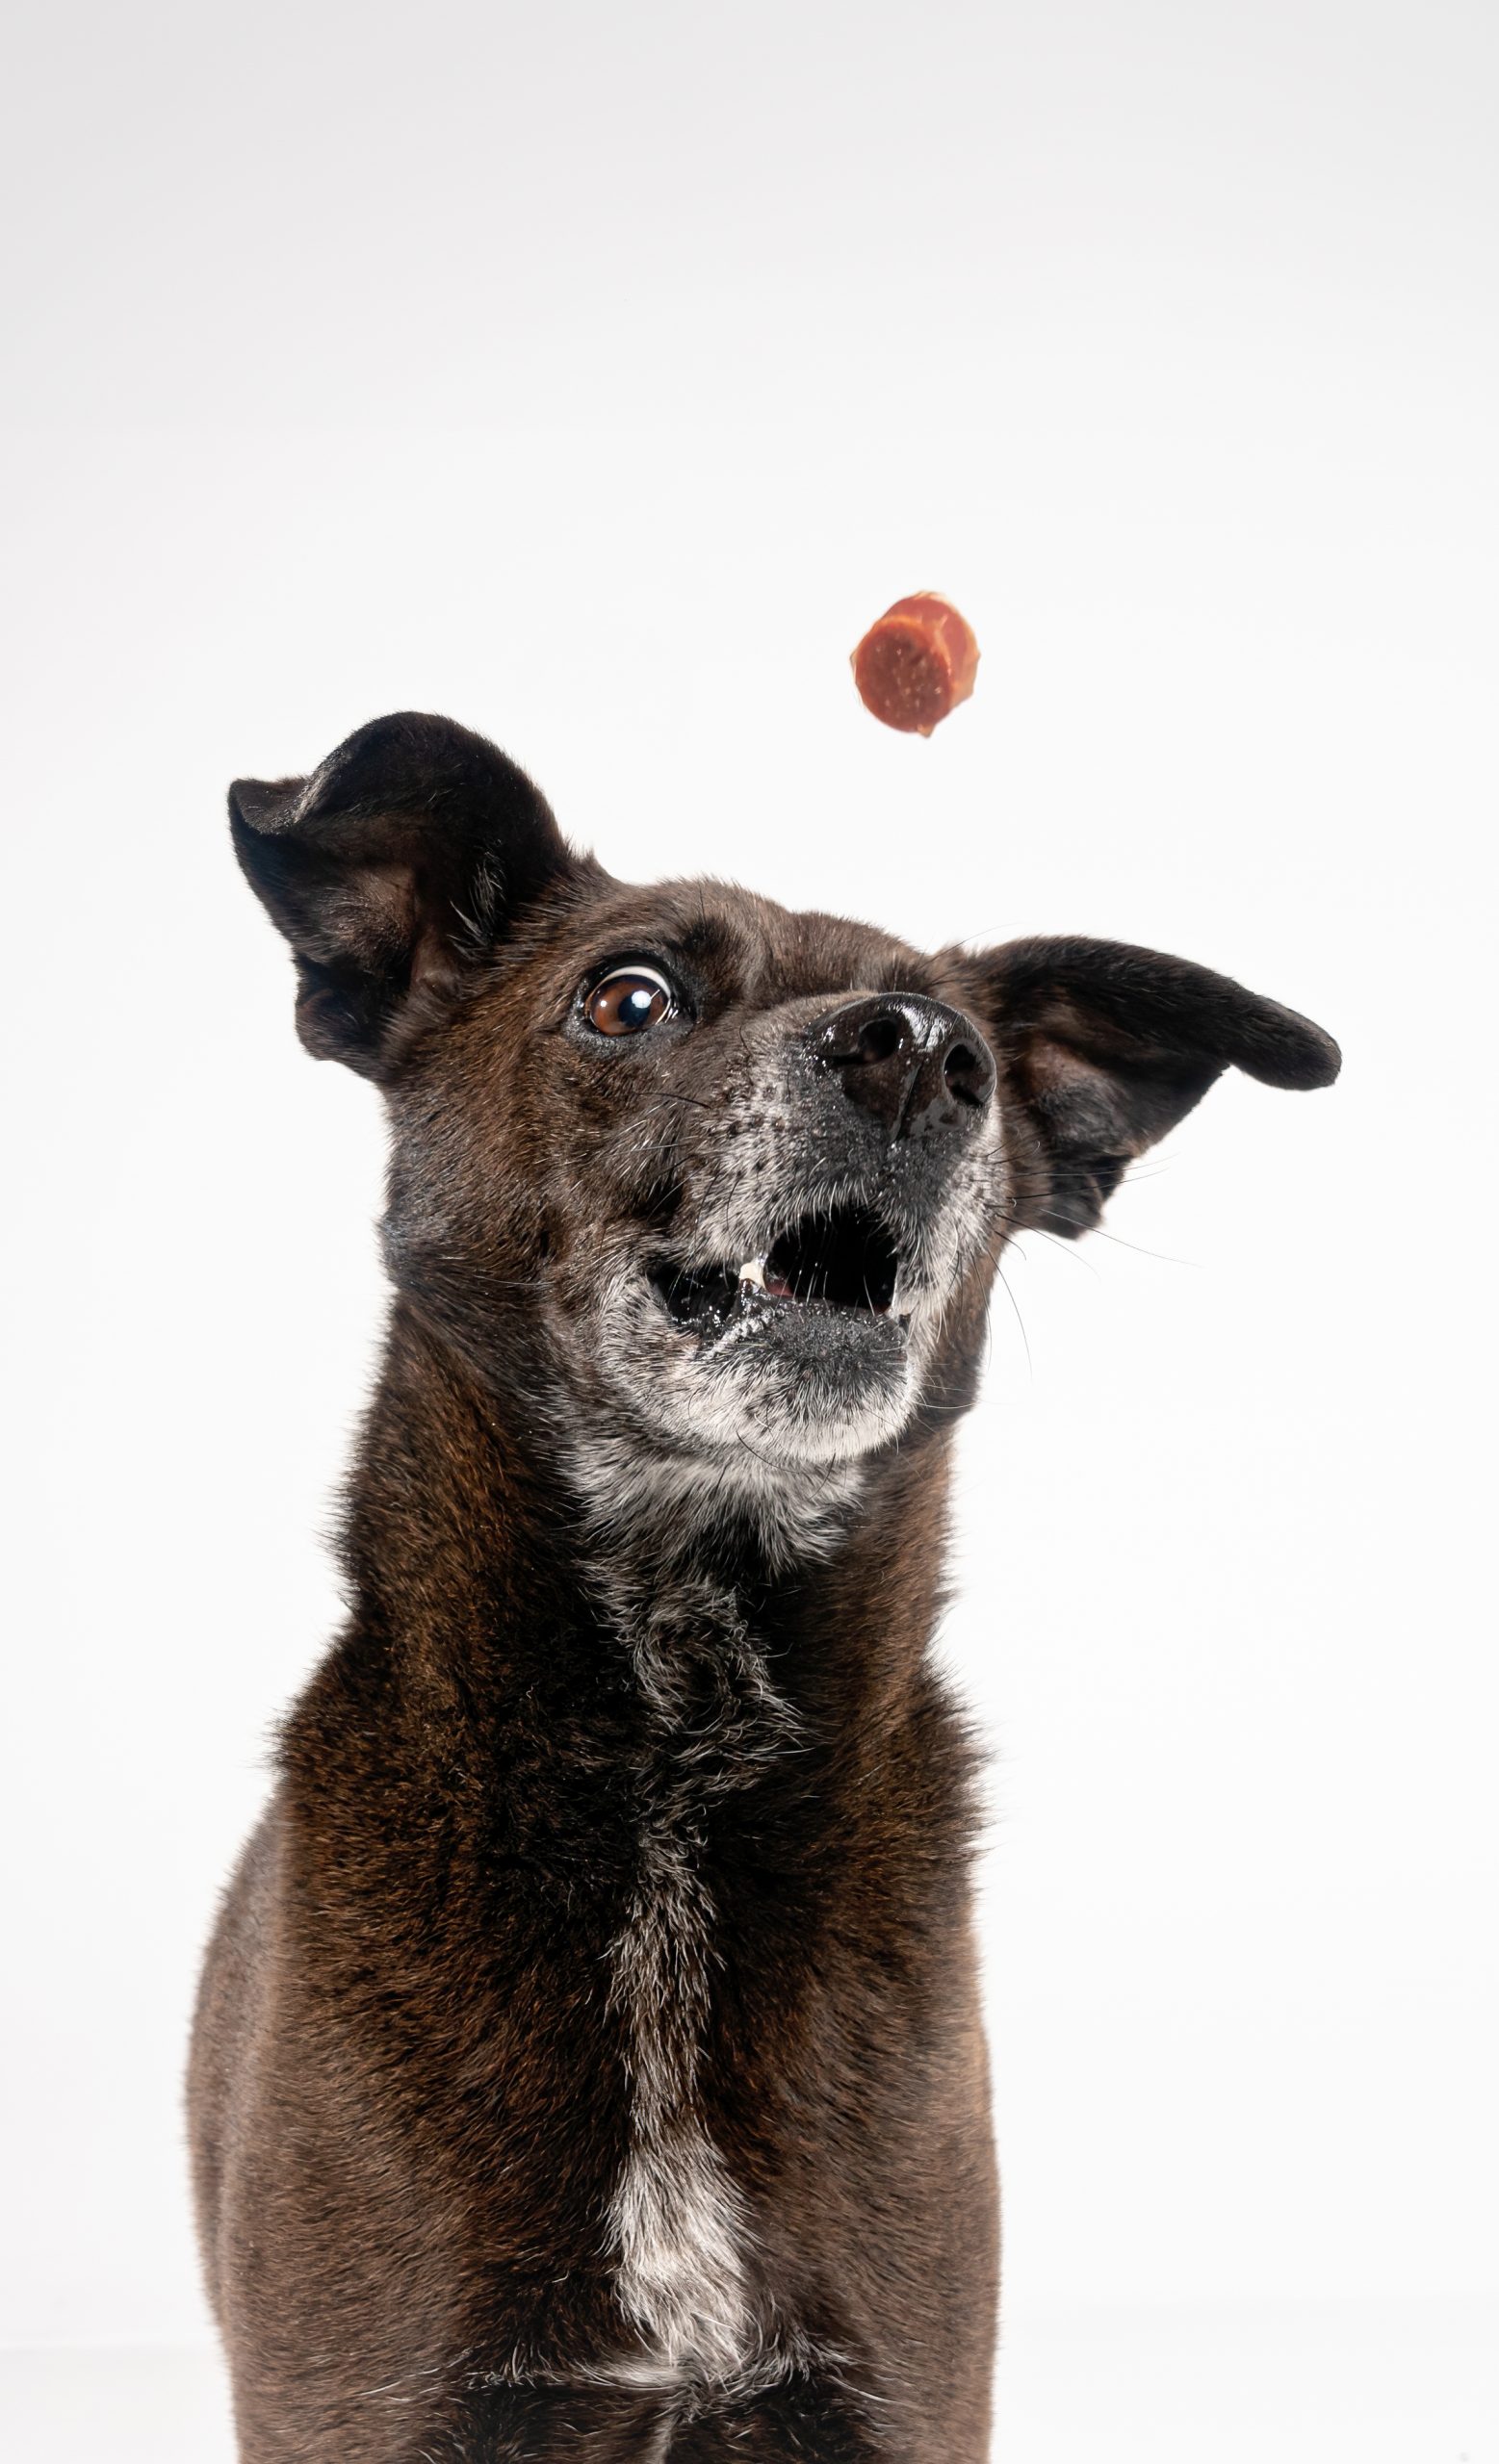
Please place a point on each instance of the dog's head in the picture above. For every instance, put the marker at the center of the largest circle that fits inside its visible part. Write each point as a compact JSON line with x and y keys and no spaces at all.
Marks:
{"x":731,"y":1181}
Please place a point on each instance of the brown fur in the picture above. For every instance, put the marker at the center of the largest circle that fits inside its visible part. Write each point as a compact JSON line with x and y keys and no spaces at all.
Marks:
{"x":411,"y":2082}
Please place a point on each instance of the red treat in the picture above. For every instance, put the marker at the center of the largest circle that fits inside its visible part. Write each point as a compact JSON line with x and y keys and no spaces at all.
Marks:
{"x":916,"y":664}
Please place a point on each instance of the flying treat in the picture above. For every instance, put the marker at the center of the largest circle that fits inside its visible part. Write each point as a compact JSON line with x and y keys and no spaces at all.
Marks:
{"x":916,"y":664}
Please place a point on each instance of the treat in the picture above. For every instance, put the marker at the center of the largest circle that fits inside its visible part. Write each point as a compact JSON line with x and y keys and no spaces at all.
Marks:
{"x":916,"y":663}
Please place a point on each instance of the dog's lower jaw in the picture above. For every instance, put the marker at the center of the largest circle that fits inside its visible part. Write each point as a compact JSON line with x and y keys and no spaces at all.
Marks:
{"x":670,"y":1444}
{"x":782,"y":1387}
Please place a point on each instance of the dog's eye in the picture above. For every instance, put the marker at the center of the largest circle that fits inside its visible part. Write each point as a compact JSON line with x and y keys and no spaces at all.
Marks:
{"x":628,"y":1001}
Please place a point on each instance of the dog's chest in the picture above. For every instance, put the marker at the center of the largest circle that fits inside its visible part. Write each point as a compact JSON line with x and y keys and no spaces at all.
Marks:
{"x":714,"y":1724}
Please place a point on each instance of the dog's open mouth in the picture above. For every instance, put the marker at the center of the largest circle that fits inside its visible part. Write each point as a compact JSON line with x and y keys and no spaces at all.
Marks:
{"x":841,"y":1262}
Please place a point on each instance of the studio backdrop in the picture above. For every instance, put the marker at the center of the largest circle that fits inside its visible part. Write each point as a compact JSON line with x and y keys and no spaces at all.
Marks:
{"x":595,"y":377}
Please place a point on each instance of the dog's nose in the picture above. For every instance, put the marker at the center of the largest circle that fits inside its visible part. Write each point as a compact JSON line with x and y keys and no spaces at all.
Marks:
{"x":916,"y":1066}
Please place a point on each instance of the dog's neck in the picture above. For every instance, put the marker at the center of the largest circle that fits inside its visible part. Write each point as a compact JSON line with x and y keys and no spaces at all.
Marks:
{"x":480,"y":1531}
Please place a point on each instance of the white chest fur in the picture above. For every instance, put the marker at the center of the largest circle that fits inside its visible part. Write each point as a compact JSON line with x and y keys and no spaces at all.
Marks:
{"x":678,"y":2224}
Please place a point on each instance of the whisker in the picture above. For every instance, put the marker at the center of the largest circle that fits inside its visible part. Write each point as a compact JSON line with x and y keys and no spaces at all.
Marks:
{"x":1019,"y":1319}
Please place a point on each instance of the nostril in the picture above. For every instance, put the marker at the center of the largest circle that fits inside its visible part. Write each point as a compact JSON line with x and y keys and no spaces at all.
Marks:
{"x":879,"y":1039}
{"x":968,"y":1074}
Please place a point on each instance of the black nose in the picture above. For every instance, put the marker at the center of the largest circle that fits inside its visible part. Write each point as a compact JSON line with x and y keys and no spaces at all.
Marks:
{"x":918,"y":1067}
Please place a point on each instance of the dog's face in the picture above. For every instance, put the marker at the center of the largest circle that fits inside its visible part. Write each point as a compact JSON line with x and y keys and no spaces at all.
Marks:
{"x":732,"y":1180}
{"x":750,"y":1160}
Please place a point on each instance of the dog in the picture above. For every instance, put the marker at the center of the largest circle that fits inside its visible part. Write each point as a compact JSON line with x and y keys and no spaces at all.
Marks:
{"x":588,"y":2060}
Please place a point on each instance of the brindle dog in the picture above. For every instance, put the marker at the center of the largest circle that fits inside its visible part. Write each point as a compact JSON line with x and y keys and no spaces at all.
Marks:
{"x":588,"y":2061}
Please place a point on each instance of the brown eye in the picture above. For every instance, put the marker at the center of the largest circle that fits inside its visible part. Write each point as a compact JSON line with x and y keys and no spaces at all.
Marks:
{"x":628,"y":1001}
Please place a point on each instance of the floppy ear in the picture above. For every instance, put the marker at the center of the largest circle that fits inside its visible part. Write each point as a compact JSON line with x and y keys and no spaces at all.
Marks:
{"x":1105,"y":1048}
{"x":407,"y":853}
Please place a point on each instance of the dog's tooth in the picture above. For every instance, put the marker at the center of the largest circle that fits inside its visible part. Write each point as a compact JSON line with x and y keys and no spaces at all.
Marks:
{"x":753,"y":1270}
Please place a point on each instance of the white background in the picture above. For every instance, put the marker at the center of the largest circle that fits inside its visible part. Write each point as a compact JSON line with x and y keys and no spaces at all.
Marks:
{"x":596,"y":375}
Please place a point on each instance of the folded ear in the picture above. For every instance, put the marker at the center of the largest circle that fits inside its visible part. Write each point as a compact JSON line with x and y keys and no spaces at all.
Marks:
{"x":403,"y":857}
{"x":1104,"y":1049}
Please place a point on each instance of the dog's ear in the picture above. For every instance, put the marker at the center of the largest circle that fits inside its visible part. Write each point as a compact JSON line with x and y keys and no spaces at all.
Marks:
{"x":1105,"y":1048}
{"x":403,"y":857}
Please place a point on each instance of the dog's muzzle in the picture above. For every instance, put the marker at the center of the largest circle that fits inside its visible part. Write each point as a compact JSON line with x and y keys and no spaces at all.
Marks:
{"x":891,"y":1086}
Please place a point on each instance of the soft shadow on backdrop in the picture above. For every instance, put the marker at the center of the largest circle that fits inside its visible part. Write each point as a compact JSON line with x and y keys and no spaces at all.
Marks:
{"x":596,"y":377}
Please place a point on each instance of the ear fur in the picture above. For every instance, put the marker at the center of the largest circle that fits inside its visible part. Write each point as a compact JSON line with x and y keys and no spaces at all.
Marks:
{"x":408,"y":852}
{"x":1106,"y":1047}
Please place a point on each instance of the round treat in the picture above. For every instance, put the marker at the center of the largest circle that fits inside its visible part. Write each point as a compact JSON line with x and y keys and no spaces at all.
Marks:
{"x":916,"y":664}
